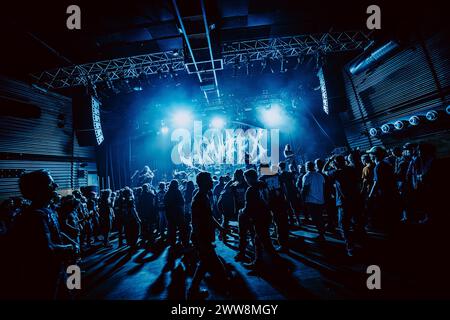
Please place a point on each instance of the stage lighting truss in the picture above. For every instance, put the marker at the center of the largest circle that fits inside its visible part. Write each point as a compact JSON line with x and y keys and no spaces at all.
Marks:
{"x":110,"y":70}
{"x":235,"y":52}
{"x":295,"y":46}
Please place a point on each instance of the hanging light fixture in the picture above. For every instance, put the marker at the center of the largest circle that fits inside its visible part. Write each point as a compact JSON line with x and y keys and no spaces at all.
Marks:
{"x":414,"y":120}
{"x":400,"y":124}
{"x":388,"y":127}
{"x":374,"y":132}
{"x":432,"y":115}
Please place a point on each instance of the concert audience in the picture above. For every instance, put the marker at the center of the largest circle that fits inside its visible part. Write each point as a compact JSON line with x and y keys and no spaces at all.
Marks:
{"x":373,"y":190}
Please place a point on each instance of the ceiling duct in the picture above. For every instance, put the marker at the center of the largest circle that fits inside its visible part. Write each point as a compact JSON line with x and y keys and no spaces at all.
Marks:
{"x":371,"y":58}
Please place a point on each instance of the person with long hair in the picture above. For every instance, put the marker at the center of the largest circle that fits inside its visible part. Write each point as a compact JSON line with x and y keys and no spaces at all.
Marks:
{"x":130,"y":218}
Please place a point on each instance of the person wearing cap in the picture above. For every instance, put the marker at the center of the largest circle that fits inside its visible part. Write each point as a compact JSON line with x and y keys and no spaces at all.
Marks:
{"x":384,"y":191}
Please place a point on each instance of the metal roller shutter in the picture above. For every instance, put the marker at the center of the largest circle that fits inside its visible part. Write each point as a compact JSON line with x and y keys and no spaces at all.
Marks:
{"x":402,"y":86}
{"x":39,"y":143}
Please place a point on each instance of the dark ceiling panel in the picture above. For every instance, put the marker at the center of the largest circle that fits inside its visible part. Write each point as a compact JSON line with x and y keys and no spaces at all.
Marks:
{"x":170,"y":44}
{"x":232,"y":8}
{"x":260,"y":19}
{"x":166,"y":29}
{"x":234,"y":22}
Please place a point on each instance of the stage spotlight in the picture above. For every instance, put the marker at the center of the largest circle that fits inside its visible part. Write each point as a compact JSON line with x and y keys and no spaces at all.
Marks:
{"x":448,"y":109}
{"x":217,"y":122}
{"x":182,"y":118}
{"x":400,"y":125}
{"x":432,"y":115}
{"x":164,"y":130}
{"x":386,"y":128}
{"x":414,"y":120}
{"x":374,"y":132}
{"x":273,"y":116}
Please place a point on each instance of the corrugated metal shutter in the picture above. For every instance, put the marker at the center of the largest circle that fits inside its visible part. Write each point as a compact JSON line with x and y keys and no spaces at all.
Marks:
{"x":60,"y":172}
{"x":398,"y":88}
{"x":36,"y":136}
{"x":38,"y":143}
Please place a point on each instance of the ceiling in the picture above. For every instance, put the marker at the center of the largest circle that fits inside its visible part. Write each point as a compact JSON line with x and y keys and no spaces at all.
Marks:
{"x":35,"y":38}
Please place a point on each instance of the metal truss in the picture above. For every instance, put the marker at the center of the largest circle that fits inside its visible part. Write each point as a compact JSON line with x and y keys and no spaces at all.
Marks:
{"x":166,"y":62}
{"x":110,"y":70}
{"x":278,"y":48}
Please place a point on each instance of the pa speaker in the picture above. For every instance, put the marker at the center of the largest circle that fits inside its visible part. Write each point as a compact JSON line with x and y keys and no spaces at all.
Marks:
{"x":332,"y":88}
{"x":87,"y":124}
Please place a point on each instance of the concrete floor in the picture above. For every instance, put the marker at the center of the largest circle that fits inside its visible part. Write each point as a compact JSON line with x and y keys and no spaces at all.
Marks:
{"x":310,"y":271}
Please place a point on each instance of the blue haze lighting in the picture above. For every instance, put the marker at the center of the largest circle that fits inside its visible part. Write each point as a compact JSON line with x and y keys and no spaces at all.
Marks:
{"x":182,"y":118}
{"x":273,"y":116}
{"x":164,"y":130}
{"x":217,"y":122}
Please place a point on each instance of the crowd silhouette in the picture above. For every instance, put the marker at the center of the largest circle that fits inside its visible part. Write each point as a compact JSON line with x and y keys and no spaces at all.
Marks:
{"x":344,"y":195}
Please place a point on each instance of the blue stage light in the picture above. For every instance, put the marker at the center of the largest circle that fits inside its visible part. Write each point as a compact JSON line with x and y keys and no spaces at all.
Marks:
{"x":400,"y":124}
{"x":182,"y":118}
{"x":217,"y":122}
{"x":273,"y":116}
{"x":388,"y":127}
{"x":164,"y":130}
{"x":414,"y":120}
{"x":432,"y":115}
{"x":374,"y":132}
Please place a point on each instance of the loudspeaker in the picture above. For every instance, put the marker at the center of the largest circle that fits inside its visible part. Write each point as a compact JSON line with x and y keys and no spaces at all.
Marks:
{"x":332,"y":86}
{"x":87,"y":124}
